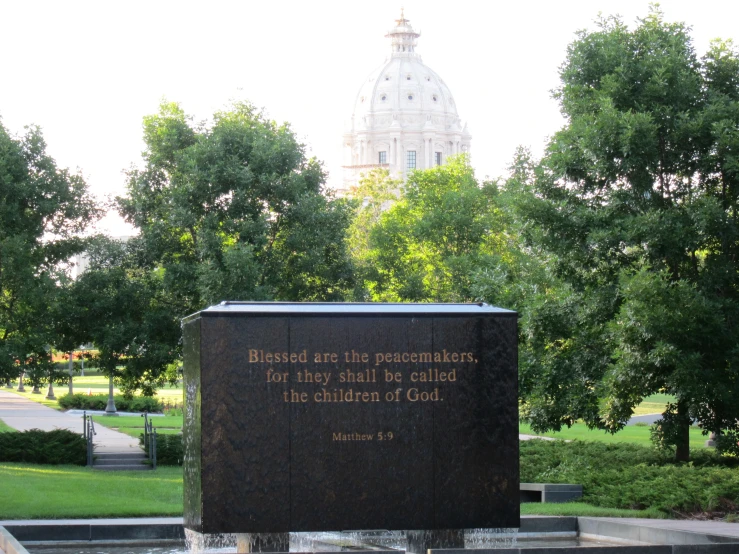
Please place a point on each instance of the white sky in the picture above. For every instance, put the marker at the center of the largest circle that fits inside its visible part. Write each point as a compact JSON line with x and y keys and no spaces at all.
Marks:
{"x":87,"y":72}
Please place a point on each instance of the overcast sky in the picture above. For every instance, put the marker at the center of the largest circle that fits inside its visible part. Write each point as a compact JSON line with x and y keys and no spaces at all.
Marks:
{"x":87,"y":72}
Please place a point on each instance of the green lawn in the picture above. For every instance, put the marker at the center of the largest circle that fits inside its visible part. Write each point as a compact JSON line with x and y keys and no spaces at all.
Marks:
{"x":95,"y":384}
{"x":5,"y":428}
{"x":48,"y":492}
{"x":654,"y":404}
{"x":584,"y":510}
{"x":134,"y":425}
{"x":638,"y":434}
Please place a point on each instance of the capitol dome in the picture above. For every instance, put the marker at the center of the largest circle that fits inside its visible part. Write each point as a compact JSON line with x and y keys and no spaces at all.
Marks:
{"x":404,"y":115}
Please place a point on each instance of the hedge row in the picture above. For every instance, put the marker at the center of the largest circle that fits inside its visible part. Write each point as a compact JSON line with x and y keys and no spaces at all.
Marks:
{"x":100,"y":401}
{"x":169,"y":449}
{"x":59,"y":446}
{"x":633,"y":476}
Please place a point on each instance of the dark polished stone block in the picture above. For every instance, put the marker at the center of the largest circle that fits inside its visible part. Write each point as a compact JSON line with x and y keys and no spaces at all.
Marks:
{"x":327,"y":417}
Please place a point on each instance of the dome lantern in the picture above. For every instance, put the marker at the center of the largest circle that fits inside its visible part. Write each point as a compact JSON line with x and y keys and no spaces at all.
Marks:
{"x":403,"y":38}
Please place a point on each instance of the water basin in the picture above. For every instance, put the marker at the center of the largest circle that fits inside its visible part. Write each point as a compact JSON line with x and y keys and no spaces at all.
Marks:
{"x":330,"y":546}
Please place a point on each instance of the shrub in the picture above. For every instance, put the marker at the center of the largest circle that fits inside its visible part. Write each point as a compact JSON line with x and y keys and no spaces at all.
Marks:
{"x":138,"y":404}
{"x":169,"y":449}
{"x":59,"y":446}
{"x":632,"y":476}
{"x":83,"y":402}
{"x":100,"y":401}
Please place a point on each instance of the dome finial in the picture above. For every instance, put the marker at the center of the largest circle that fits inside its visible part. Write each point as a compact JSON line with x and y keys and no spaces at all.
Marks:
{"x":403,"y":38}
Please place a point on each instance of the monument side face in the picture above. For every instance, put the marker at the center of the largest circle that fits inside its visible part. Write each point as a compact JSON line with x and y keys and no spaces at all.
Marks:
{"x":192,"y":504}
{"x":310,"y":420}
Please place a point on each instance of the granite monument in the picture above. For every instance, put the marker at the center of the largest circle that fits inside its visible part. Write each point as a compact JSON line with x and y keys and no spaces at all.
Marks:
{"x":330,"y":417}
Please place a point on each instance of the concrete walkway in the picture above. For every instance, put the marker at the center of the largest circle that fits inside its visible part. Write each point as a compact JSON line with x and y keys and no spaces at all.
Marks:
{"x":689,"y":525}
{"x":23,"y":414}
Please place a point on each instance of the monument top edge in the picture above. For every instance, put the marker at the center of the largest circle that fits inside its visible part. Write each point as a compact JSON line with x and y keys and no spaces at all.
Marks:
{"x":346,"y":308}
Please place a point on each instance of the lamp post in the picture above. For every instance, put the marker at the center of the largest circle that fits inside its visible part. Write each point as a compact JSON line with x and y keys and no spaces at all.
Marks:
{"x":110,"y":408}
{"x":71,"y":372}
{"x":50,"y":393}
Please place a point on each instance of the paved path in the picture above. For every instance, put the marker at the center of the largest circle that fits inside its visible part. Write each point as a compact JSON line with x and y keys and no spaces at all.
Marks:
{"x":530,"y":437}
{"x":646,"y":418}
{"x":23,"y":414}
{"x":691,"y":525}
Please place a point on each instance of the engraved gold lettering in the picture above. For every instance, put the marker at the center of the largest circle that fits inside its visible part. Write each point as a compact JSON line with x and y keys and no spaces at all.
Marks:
{"x":414,"y":395}
{"x":274,"y":377}
{"x":365,"y":376}
{"x":293,"y":396}
{"x":355,"y":357}
{"x":390,"y":376}
{"x":353,"y":436}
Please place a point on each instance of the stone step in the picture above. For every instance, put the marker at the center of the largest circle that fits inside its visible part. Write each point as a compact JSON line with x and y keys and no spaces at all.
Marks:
{"x":120,"y":455}
{"x":119,"y":461}
{"x":123,"y":467}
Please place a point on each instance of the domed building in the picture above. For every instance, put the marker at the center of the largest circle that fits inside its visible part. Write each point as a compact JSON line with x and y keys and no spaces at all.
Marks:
{"x":404,"y":116}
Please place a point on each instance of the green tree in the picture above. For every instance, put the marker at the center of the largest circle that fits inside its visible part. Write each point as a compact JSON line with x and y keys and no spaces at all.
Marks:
{"x":43,"y":209}
{"x":427,"y":245}
{"x":635,"y":201}
{"x":125,"y":312}
{"x":375,"y":193}
{"x":233,"y":210}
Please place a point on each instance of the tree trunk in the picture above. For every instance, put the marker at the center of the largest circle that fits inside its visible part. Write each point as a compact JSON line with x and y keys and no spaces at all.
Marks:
{"x":682,"y":444}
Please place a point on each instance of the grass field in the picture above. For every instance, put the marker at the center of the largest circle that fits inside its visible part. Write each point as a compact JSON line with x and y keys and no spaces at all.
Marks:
{"x":49,"y":492}
{"x":654,"y":404}
{"x":584,"y":510}
{"x":4,"y":427}
{"x":134,"y":425}
{"x":638,"y":434}
{"x":94,"y":384}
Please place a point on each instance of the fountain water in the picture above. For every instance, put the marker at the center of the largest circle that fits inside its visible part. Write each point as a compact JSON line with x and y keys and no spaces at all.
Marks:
{"x":199,"y":543}
{"x":380,"y":540}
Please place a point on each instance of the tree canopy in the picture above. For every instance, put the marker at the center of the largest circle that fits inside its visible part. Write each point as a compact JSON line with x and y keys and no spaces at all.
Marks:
{"x":233,"y":210}
{"x":426,"y":245}
{"x":125,"y":312}
{"x":635,"y":202}
{"x":43,"y":210}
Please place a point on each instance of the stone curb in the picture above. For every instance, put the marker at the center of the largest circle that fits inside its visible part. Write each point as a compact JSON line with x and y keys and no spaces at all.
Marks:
{"x":9,"y":544}
{"x":633,"y":533}
{"x":644,"y":549}
{"x":96,"y":532}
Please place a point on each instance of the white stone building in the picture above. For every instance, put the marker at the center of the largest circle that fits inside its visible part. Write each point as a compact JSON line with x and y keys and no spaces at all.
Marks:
{"x":404,"y":116}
